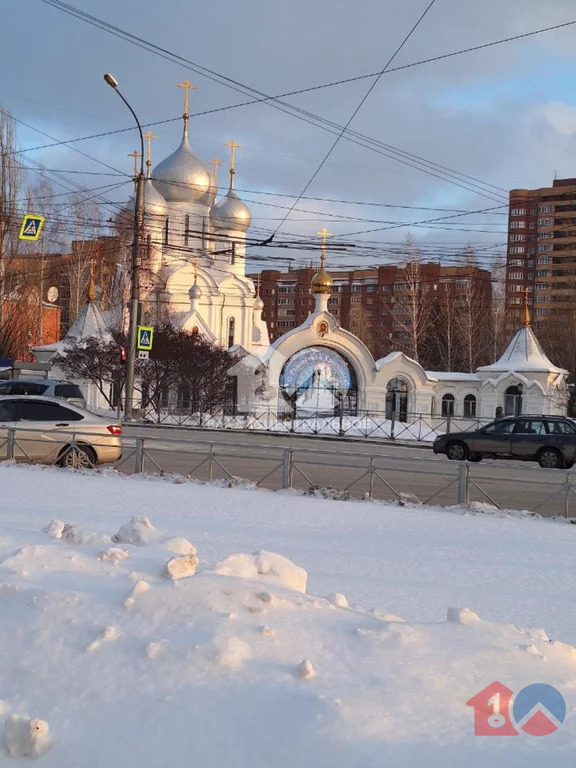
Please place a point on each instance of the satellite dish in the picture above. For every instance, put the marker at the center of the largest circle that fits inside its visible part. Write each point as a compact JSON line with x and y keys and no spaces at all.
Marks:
{"x":52,"y":294}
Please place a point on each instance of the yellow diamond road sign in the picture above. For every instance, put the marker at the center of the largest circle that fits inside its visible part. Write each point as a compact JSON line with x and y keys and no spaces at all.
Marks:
{"x":145,"y":336}
{"x":31,"y":227}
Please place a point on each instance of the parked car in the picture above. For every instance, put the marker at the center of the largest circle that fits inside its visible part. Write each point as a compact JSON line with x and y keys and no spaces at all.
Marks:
{"x":49,"y":431}
{"x":549,"y":440}
{"x":65,"y":390}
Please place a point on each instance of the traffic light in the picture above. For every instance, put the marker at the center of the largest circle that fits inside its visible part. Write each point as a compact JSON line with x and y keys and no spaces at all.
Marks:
{"x":123,"y":356}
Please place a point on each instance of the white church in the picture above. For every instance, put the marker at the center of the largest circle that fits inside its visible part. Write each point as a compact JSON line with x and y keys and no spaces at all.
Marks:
{"x":194,"y":275}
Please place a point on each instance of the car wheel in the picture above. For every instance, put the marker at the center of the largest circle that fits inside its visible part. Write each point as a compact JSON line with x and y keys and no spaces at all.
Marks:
{"x":475,"y":457}
{"x":78,"y":457}
{"x":550,"y":458}
{"x":457,"y":452}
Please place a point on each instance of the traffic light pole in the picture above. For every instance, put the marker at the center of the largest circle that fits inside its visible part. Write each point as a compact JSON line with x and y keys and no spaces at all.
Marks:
{"x":134,"y":297}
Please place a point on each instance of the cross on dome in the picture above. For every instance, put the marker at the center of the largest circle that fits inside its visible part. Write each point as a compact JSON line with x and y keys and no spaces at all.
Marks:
{"x":149,"y":136}
{"x":135,"y":155}
{"x":187,"y":85}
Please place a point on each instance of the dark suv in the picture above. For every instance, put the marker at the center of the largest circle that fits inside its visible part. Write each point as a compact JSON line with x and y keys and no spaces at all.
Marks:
{"x":549,"y":440}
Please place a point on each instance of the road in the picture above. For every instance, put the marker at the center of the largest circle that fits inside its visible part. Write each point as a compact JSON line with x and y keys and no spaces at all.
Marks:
{"x":351,"y":466}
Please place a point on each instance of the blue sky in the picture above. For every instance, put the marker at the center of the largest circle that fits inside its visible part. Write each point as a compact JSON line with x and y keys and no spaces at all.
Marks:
{"x":505,"y":115}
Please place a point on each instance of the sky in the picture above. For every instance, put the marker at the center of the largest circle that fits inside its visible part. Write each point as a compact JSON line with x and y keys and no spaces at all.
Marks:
{"x":505,"y":115}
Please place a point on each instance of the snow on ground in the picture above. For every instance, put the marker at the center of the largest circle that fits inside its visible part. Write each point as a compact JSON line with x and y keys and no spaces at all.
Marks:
{"x":236,"y":665}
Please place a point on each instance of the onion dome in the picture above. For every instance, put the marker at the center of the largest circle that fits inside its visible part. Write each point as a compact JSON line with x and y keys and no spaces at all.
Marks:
{"x":258,"y":304}
{"x":182,"y":177}
{"x":154,"y":203}
{"x":195,"y":292}
{"x":321,"y":282}
{"x":230,"y":212}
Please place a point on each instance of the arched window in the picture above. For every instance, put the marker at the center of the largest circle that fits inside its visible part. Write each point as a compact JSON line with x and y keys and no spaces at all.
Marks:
{"x":448,"y":405}
{"x":469,"y":407}
{"x":186,"y":229}
{"x":513,"y":401}
{"x":231,"y":329}
{"x":397,"y":399}
{"x":166,"y":231}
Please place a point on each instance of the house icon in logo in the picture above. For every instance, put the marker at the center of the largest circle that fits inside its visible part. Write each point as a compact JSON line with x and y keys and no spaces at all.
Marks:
{"x":491,"y":711}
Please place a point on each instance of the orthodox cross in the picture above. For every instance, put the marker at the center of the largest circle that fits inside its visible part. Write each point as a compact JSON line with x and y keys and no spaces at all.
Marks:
{"x":233,"y":146}
{"x":149,"y":136}
{"x":187,"y":85}
{"x":135,"y":155}
{"x":324,"y":234}
{"x":215,"y":163}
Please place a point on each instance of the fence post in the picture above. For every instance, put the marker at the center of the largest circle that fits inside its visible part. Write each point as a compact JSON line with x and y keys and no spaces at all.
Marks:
{"x":287,"y":468}
{"x":10,"y":444}
{"x":448,"y":421}
{"x":139,"y":456}
{"x":211,"y":462}
{"x":392,"y":423}
{"x":371,"y":478}
{"x":463,"y":484}
{"x":567,"y":489}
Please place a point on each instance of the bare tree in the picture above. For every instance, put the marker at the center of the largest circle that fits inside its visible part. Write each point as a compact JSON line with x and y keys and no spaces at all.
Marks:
{"x":411,"y":307}
{"x":11,"y":186}
{"x":445,"y":336}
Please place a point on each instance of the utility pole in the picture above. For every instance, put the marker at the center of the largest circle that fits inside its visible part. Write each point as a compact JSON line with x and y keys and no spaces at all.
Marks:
{"x":136,"y":258}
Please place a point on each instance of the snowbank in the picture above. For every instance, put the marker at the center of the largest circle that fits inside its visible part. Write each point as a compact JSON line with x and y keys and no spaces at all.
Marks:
{"x":238,"y":665}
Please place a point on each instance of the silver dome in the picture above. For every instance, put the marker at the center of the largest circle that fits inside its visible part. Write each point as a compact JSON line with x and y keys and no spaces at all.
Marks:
{"x":182,"y":177}
{"x":154,"y":203}
{"x":258,"y":303}
{"x":231,"y":213}
{"x":195,"y":292}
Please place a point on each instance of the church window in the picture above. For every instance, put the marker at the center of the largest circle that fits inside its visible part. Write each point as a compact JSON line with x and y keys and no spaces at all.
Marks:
{"x":186,"y":229}
{"x":231,"y":330}
{"x":448,"y":405}
{"x":469,"y":406}
{"x":166,"y":231}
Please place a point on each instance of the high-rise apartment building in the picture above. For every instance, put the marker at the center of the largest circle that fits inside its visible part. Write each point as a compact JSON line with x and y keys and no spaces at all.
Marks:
{"x":541,"y":257}
{"x":378,"y":305}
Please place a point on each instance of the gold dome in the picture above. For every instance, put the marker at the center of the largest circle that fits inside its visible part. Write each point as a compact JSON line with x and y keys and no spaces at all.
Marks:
{"x":321,"y":282}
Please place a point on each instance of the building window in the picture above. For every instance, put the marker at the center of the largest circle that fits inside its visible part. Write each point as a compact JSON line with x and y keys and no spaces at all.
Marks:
{"x":356,"y":288}
{"x":515,"y":263}
{"x":544,"y":247}
{"x":515,"y":275}
{"x":518,"y":211}
{"x":515,"y":300}
{"x":517,"y":225}
{"x":545,"y":235}
{"x":448,"y":405}
{"x":356,"y":299}
{"x":231,"y":329}
{"x":516,"y":249}
{"x":541,"y":286}
{"x":542,"y":299}
{"x":545,"y":222}
{"x":516,"y":287}
{"x":541,"y":311}
{"x":469,"y":407}
{"x":370,"y":288}
{"x":517,"y":238}
{"x":186,"y":228}
{"x":545,"y":209}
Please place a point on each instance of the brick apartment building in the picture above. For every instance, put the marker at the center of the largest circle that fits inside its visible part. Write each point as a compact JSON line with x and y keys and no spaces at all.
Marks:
{"x":541,"y":258}
{"x":367,"y":302}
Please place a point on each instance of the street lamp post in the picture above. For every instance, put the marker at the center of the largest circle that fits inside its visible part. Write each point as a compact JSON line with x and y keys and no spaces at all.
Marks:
{"x":136,"y":254}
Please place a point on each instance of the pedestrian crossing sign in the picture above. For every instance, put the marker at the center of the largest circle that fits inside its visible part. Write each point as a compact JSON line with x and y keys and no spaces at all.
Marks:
{"x":31,"y":227}
{"x":145,"y":336}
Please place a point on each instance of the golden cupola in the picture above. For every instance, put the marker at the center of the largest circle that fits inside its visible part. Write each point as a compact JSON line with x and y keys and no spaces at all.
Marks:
{"x":322,"y":282}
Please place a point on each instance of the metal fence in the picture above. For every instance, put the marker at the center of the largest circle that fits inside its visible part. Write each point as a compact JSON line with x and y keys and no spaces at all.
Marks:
{"x":368,"y":424}
{"x":341,"y":474}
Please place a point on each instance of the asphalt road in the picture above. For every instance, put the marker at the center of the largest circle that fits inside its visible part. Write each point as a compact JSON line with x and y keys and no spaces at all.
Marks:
{"x":392,"y":468}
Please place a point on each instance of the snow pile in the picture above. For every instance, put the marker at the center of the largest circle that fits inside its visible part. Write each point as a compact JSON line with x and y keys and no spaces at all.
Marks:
{"x":267,"y":565}
{"x":241,"y":663}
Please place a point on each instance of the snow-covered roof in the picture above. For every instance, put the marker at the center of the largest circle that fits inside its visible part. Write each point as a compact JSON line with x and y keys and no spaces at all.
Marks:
{"x":524,"y":353}
{"x":89,"y":322}
{"x":452,"y":376}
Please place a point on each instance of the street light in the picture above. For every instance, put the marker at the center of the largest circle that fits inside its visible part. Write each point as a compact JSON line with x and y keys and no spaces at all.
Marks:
{"x":136,"y":252}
